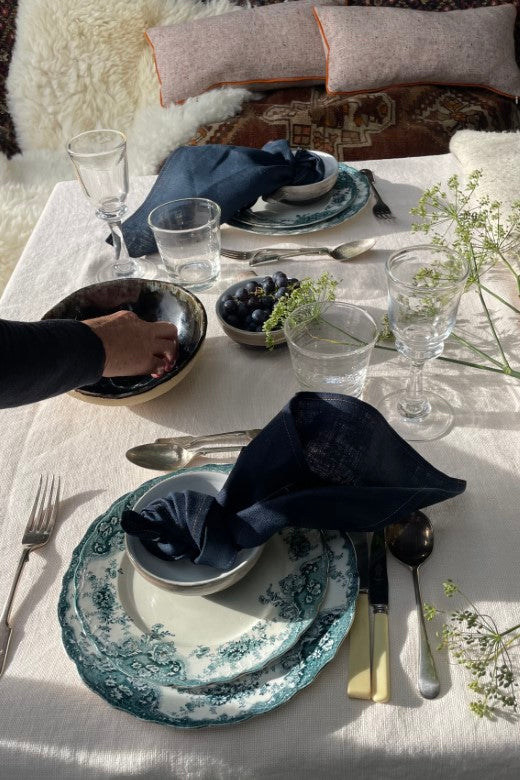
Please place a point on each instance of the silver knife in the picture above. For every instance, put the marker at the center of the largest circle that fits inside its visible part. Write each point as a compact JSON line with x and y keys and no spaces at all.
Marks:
{"x":359,"y":683}
{"x":378,"y":597}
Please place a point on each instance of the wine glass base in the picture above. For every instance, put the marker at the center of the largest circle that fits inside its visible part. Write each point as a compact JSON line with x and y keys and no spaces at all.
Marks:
{"x":144,"y":269}
{"x":433,"y":425}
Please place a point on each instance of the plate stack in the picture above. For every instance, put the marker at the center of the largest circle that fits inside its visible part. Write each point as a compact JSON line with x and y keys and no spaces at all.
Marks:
{"x":193,"y":661}
{"x":348,"y":197}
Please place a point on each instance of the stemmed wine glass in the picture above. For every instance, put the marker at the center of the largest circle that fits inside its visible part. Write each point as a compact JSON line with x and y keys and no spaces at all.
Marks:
{"x":425,"y":284}
{"x":99,"y":158}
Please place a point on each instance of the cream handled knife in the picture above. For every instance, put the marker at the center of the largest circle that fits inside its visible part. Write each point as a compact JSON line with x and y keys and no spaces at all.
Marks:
{"x":378,"y":596}
{"x":359,"y":684}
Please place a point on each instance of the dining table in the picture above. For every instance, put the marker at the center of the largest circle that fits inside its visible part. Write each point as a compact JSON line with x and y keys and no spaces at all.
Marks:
{"x":52,"y":725}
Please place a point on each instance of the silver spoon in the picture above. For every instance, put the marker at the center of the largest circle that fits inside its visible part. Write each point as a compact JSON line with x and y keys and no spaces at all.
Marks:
{"x":172,"y":454}
{"x":342,"y":252}
{"x":411,"y":542}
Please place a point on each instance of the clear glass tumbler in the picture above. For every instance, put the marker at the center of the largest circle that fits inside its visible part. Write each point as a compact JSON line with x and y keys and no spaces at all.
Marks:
{"x":425,"y":284}
{"x":100,"y":161}
{"x":330,"y":344}
{"x":187,"y":232}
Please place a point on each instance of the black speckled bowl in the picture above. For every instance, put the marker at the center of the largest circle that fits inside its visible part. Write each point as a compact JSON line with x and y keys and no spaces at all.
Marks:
{"x":152,"y":301}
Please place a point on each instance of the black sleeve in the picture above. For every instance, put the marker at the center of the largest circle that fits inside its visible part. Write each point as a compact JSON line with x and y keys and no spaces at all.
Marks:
{"x":42,"y":359}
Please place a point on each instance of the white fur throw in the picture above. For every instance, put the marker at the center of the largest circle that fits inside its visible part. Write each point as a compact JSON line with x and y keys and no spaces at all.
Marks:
{"x":81,"y":64}
{"x":497,"y":155}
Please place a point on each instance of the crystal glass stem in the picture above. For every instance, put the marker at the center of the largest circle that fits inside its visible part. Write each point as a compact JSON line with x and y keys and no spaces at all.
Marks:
{"x":124,"y":265}
{"x":414,"y":404}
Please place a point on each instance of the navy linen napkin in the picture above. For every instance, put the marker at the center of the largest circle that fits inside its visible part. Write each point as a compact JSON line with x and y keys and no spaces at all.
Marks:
{"x":325,"y":461}
{"x":232,"y":176}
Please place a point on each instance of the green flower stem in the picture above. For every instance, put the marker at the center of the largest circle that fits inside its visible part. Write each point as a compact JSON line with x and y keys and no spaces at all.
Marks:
{"x":488,"y":316}
{"x":499,"y":297}
{"x":469,"y":364}
{"x":475,"y":349}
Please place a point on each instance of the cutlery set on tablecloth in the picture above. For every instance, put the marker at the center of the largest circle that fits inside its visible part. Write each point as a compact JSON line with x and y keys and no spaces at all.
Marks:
{"x":411,"y":542}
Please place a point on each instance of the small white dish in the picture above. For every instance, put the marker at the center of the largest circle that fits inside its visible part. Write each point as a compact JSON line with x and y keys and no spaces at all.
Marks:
{"x":183,"y":576}
{"x":304,"y":192}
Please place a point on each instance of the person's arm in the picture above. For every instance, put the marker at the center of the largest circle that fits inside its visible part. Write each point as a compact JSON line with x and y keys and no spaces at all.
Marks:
{"x":42,"y":359}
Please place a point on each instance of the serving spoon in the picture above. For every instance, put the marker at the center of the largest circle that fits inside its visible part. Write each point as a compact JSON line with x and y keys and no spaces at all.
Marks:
{"x":173,"y":454}
{"x":342,"y":252}
{"x":411,"y":542}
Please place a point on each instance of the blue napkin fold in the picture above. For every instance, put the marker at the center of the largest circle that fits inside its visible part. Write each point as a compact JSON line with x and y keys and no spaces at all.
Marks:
{"x":325,"y":461}
{"x":232,"y":176}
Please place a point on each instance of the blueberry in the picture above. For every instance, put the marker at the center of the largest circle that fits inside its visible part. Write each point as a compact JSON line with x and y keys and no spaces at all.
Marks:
{"x":241,"y":294}
{"x":229,"y":306}
{"x":233,"y":320}
{"x":242,"y":310}
{"x":259,"y":316}
{"x":281,"y":291}
{"x":251,"y":287}
{"x":252,"y":327}
{"x":267,"y":284}
{"x":227,"y":297}
{"x":294,"y":283}
{"x":280,"y":279}
{"x":264,"y":302}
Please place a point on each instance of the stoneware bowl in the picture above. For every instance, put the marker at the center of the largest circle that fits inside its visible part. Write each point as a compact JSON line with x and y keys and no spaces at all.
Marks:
{"x":246,"y":337}
{"x":304,"y":192}
{"x":183,"y":576}
{"x":151,"y":300}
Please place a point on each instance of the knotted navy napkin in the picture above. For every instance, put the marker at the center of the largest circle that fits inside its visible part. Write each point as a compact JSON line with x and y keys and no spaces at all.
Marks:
{"x":232,"y":176}
{"x":325,"y":461}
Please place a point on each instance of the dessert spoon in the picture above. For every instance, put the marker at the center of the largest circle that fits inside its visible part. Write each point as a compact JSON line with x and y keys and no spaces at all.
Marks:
{"x":173,"y":454}
{"x":411,"y":542}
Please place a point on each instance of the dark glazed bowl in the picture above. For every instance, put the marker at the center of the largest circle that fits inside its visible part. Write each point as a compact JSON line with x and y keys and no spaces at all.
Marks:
{"x":152,"y":301}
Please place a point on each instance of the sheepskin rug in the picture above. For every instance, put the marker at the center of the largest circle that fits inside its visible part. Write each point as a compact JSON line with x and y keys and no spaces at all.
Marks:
{"x":497,"y":155}
{"x":81,"y":65}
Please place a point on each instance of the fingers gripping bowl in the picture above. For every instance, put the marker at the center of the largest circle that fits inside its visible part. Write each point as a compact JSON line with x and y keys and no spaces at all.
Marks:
{"x":152,"y":301}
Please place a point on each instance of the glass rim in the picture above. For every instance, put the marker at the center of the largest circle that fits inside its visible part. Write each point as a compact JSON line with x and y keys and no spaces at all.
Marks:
{"x":121,"y":144}
{"x":429,"y":247}
{"x":343,"y":304}
{"x":211,"y":220}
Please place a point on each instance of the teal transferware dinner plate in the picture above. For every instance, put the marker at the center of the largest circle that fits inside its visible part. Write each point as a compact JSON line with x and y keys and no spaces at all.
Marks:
{"x":148,"y":631}
{"x":225,"y":703}
{"x":359,"y":189}
{"x":279,"y":214}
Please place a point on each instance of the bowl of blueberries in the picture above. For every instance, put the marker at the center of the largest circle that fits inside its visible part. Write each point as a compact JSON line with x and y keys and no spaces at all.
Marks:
{"x":244,"y":307}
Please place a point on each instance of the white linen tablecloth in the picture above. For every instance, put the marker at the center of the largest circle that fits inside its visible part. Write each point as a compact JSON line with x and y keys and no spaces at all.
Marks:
{"x":52,"y":726}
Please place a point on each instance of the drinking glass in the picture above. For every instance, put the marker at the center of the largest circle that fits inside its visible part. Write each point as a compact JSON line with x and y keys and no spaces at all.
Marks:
{"x":424,"y":288}
{"x":330,"y":344}
{"x":99,"y":158}
{"x":187,"y":232}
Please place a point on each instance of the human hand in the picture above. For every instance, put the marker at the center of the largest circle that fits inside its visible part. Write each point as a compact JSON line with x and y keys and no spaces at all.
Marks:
{"x":133,"y":346}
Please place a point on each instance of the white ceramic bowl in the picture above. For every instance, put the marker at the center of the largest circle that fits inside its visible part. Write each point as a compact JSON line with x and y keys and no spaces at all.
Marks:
{"x":185,"y":577}
{"x":241,"y":336}
{"x":303,"y":192}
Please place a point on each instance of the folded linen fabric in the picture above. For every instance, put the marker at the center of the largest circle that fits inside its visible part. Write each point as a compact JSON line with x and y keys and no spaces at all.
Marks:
{"x":325,"y":461}
{"x":232,"y":176}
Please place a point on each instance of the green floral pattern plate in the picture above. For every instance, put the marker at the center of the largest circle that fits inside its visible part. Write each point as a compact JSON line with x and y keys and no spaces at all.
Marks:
{"x":151,"y":633}
{"x":359,"y":193}
{"x":225,"y":703}
{"x":294,"y":215}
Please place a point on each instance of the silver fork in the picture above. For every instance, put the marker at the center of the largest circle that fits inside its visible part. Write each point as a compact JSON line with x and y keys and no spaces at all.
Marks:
{"x":380,"y":210}
{"x":237,"y":254}
{"x":37,"y":533}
